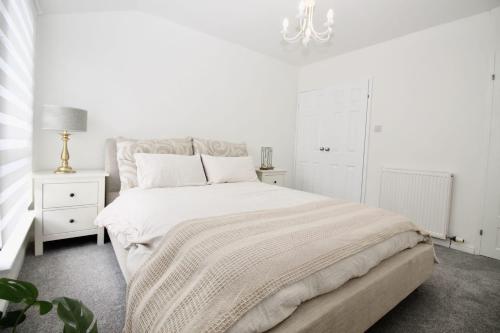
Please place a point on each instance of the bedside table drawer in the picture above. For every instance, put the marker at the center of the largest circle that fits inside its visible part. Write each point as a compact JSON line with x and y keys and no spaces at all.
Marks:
{"x":274,"y":179}
{"x":67,"y":220}
{"x":70,"y":194}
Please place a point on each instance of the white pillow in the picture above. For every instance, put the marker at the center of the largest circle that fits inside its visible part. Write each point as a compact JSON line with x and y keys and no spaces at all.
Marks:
{"x":229,"y":169}
{"x":169,"y":170}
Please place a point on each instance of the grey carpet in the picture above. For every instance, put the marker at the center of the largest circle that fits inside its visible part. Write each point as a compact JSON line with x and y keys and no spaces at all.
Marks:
{"x":463,"y":294}
{"x":77,"y":268}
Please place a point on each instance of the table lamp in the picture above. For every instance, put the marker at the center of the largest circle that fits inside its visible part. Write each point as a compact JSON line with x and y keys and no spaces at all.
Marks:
{"x":64,"y":119}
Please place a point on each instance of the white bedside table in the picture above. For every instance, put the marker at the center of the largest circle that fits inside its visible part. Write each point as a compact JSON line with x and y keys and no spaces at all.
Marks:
{"x":66,"y":205}
{"x":273,"y":177}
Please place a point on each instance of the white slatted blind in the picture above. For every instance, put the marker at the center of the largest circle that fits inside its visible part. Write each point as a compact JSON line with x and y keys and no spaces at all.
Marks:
{"x":17,"y":22}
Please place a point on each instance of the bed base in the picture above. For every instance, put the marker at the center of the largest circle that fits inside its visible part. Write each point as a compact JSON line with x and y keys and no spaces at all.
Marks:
{"x":359,"y":303}
{"x":121,"y":256}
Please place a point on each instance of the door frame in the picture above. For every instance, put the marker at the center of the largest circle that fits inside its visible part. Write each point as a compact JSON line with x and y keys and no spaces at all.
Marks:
{"x":369,"y":82}
{"x":478,"y":243}
{"x":367,"y":139}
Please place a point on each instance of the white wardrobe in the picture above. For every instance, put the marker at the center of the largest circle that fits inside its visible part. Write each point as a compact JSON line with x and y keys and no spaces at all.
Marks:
{"x":330,"y":140}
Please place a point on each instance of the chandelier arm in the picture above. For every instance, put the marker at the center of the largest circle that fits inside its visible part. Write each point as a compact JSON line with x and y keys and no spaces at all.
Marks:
{"x":321,"y":36}
{"x":323,"y":39}
{"x":300,"y":33}
{"x":322,"y":33}
{"x":292,"y":39}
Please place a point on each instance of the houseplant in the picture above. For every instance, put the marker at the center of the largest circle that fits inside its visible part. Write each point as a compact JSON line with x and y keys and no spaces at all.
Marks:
{"x":76,"y":317}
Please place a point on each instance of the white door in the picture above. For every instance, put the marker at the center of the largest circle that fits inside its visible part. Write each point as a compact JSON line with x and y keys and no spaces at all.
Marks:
{"x":490,"y":241}
{"x":307,"y":157}
{"x":331,"y":132}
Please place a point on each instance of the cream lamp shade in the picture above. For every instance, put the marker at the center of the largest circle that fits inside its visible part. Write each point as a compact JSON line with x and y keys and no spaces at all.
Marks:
{"x":64,"y":119}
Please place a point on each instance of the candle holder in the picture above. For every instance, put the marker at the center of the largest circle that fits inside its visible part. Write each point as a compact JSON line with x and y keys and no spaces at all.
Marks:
{"x":266,"y":158}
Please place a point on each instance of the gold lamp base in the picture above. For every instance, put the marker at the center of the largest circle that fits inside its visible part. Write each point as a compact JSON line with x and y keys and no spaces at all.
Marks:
{"x":64,"y":167}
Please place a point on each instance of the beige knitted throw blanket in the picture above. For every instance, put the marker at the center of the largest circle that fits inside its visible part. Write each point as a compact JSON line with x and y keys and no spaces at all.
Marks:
{"x":209,"y":272}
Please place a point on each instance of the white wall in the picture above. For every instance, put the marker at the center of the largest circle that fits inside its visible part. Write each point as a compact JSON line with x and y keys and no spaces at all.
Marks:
{"x":142,"y":76}
{"x":431,"y":95}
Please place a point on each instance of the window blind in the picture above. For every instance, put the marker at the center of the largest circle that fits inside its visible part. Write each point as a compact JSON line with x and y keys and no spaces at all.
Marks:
{"x":17,"y":23}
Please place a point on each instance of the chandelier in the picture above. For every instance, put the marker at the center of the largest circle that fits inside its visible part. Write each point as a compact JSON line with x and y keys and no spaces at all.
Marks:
{"x":306,"y":29}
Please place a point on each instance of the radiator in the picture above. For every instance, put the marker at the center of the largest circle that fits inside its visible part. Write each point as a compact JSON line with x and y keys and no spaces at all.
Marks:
{"x":425,"y":197}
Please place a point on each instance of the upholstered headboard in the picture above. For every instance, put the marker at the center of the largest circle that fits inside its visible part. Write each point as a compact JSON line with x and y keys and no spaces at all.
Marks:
{"x":199,"y":146}
{"x":111,"y":167}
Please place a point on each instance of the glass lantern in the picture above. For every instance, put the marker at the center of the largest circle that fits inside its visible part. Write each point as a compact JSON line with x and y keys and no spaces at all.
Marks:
{"x":266,"y":158}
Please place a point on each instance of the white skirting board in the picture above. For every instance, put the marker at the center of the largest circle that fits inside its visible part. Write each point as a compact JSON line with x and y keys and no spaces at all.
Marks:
{"x":464,"y":247}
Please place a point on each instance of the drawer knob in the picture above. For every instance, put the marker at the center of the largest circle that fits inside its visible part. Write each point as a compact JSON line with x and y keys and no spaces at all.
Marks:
{"x":275,"y":182}
{"x":72,"y":221}
{"x":72,"y":195}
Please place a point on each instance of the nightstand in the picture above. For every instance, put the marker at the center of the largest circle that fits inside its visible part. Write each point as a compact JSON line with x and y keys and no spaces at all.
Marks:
{"x":273,"y":177}
{"x":66,"y":205}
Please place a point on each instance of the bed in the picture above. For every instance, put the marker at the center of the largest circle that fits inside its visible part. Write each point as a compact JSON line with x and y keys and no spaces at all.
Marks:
{"x":352,"y":307}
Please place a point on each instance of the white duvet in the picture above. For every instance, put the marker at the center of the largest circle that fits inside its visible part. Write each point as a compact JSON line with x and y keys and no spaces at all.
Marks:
{"x":139,"y":218}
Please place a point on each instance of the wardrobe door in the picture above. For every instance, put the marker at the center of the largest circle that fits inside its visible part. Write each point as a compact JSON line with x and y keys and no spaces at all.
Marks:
{"x":333,"y":133}
{"x":336,"y":143}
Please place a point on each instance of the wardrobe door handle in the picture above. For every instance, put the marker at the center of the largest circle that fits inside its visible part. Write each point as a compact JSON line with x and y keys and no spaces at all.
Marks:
{"x":321,"y":148}
{"x":327,"y":149}
{"x":72,"y":221}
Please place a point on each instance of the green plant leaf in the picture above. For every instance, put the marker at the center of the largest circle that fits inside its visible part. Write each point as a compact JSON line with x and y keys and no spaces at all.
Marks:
{"x":69,"y":329}
{"x":93,"y":329}
{"x":44,"y":307}
{"x":9,"y":320}
{"x":17,"y":291}
{"x":76,"y":316}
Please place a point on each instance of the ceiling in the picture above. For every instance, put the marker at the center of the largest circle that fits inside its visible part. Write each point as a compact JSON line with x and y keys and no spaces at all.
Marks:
{"x":256,"y":24}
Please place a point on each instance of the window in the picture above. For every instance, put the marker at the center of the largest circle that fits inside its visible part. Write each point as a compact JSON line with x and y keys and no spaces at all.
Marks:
{"x":17,"y":22}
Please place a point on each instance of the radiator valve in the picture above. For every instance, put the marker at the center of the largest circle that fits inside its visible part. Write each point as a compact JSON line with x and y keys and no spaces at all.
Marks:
{"x":457,"y":239}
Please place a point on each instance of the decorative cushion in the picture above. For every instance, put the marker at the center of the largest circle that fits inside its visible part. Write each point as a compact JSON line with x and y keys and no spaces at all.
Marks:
{"x":126,"y":148}
{"x":169,"y":170}
{"x":219,"y":148}
{"x":222,"y":169}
